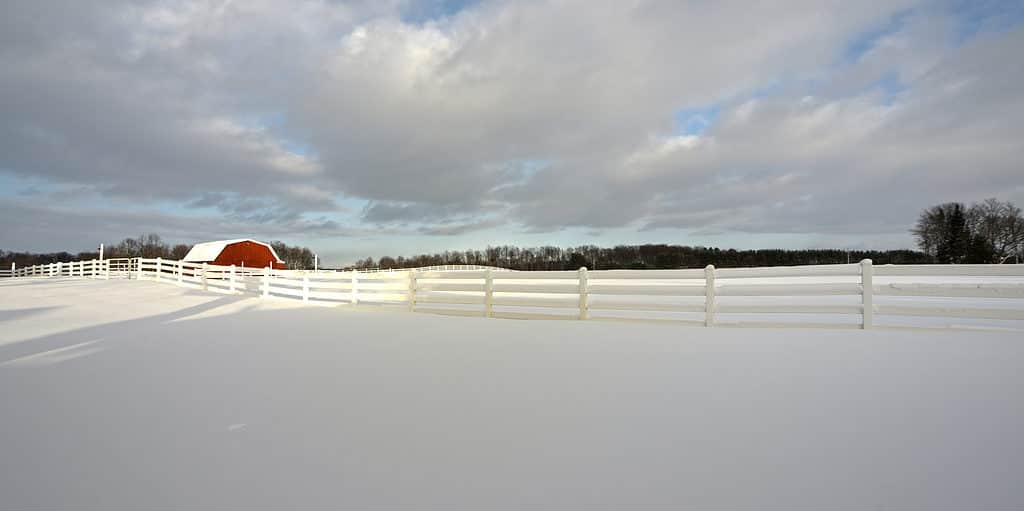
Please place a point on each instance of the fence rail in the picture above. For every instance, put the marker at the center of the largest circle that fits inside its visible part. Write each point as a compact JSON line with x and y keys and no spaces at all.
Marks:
{"x":836,"y":296}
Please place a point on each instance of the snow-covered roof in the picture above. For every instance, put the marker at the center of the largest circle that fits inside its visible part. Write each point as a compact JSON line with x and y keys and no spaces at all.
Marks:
{"x":202,"y":252}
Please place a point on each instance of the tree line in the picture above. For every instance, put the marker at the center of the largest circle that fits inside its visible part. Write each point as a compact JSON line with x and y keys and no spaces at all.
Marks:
{"x":648,"y":256}
{"x":149,"y":246}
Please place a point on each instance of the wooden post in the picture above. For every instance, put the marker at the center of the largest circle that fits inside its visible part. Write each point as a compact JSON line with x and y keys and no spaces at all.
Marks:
{"x":354,"y":292}
{"x":231,"y":278}
{"x":159,"y":268}
{"x":139,"y":262}
{"x":488,"y":293}
{"x":266,"y":282}
{"x":709,"y":295}
{"x":13,"y":270}
{"x":412,"y":290}
{"x":867,"y":294}
{"x":203,"y":278}
{"x":106,"y":268}
{"x":305,"y":287}
{"x":584,"y":294}
{"x":180,"y":269}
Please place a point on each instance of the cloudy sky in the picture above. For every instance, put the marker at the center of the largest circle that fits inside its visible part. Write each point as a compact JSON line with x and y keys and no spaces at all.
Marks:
{"x":374,"y":127}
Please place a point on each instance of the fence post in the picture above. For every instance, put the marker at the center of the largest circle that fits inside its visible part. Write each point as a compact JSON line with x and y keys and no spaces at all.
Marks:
{"x":412,"y":290}
{"x":709,"y":295}
{"x":204,"y":277}
{"x":354,"y":298}
{"x":867,"y":294}
{"x":231,"y":278}
{"x":180,"y":269}
{"x":305,"y":287}
{"x":584,"y":293}
{"x":488,"y":293}
{"x":13,"y":268}
{"x":266,"y":282}
{"x":159,"y":268}
{"x":58,"y":269}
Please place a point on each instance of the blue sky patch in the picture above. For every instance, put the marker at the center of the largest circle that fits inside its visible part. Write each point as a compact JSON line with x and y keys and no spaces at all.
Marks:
{"x":865,"y":41}
{"x":424,"y":11}
{"x":694,"y":121}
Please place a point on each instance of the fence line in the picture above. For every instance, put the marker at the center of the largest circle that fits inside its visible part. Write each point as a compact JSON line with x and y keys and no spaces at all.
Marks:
{"x":849,"y":295}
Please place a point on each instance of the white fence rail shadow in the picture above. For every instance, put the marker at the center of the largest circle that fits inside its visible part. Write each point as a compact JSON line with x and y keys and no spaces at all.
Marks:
{"x":829,"y":296}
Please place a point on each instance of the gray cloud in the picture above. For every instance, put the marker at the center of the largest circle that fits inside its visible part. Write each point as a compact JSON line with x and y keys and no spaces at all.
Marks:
{"x":531,"y":115}
{"x":79,"y":228}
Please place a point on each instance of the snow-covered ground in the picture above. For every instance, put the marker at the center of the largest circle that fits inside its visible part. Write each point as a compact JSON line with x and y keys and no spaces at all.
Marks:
{"x":137,"y":395}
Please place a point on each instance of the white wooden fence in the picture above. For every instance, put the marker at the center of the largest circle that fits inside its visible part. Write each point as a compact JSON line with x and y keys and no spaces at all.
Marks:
{"x":832,"y":296}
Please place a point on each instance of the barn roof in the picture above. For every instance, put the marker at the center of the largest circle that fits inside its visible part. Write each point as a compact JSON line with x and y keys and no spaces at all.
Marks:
{"x":208,"y":251}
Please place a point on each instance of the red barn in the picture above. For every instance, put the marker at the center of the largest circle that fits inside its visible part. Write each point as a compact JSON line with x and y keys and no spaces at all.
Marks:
{"x":247,"y":253}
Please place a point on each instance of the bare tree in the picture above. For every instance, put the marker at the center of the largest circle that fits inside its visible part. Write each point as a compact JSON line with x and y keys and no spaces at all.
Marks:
{"x":1000,"y":224}
{"x":930,"y":229}
{"x":180,"y":251}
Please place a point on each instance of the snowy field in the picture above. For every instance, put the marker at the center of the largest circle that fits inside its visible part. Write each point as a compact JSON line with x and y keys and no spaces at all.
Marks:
{"x":138,"y":395}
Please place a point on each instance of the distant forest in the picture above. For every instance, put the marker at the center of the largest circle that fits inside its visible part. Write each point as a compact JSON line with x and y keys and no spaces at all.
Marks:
{"x":148,"y":246}
{"x":651,"y":256}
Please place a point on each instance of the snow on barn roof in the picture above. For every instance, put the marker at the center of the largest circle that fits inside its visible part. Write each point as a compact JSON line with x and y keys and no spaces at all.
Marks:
{"x":208,"y":251}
